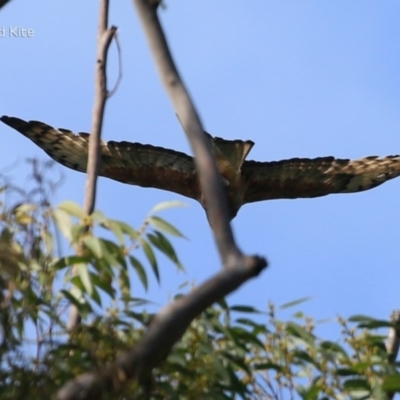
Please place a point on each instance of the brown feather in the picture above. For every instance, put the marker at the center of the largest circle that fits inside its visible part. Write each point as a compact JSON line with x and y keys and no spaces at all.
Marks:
{"x":131,"y":163}
{"x":303,"y":177}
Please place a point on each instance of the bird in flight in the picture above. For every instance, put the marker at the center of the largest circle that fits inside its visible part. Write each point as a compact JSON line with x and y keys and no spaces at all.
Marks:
{"x":245,"y":181}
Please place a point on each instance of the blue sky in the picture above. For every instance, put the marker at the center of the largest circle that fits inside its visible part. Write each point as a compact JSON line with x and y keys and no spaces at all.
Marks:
{"x":299,"y":78}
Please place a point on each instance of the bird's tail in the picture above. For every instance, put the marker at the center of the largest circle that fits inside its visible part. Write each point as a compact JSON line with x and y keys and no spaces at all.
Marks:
{"x":231,"y":154}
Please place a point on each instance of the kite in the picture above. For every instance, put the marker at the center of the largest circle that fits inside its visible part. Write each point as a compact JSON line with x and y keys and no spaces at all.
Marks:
{"x":245,"y":181}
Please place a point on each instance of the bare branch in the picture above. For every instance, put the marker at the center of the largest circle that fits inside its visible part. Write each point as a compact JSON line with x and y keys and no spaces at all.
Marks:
{"x":165,"y":330}
{"x":104,"y":38}
{"x":210,"y":180}
{"x":4,"y":2}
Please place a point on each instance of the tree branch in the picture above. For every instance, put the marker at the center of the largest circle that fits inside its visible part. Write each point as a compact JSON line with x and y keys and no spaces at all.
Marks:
{"x":166,"y":328}
{"x":210,"y":180}
{"x":104,"y":38}
{"x":4,"y":2}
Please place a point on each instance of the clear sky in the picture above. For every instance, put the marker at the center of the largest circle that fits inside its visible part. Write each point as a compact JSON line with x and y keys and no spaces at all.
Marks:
{"x":299,"y":78}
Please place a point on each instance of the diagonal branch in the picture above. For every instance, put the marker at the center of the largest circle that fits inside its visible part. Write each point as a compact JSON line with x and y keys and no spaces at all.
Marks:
{"x":3,"y":3}
{"x":104,"y":38}
{"x":165,"y":330}
{"x":210,"y":180}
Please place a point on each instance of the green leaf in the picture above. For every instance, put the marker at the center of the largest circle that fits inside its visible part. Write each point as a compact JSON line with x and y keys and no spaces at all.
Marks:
{"x":300,"y":332}
{"x":361,"y":367}
{"x":69,"y":261}
{"x":304,"y":356}
{"x":63,"y":222}
{"x":163,"y":244}
{"x":72,"y":208}
{"x":139,"y":301}
{"x":369,"y":322}
{"x":245,"y":309}
{"x":238,"y":361}
{"x":141,"y":317}
{"x":128,"y":230}
{"x":223,"y":304}
{"x":104,"y":282}
{"x":307,"y":393}
{"x":25,"y":208}
{"x":140,"y":271}
{"x":346,"y":372}
{"x":94,"y":245}
{"x":352,"y":384}
{"x":124,"y":283}
{"x":359,"y":317}
{"x":391,"y":383}
{"x":95,"y":296}
{"x":165,"y":205}
{"x":312,"y":393}
{"x":98,"y":217}
{"x":77,"y":286}
{"x":267,"y":366}
{"x":77,"y":231}
{"x":241,"y":335}
{"x":112,"y":255}
{"x":115,"y":227}
{"x":48,"y":240}
{"x":24,"y":214}
{"x":164,"y":226}
{"x":249,"y":322}
{"x":375,"y":324}
{"x":73,"y":298}
{"x":177,"y":359}
{"x":298,"y":314}
{"x":152,"y":258}
{"x":83,"y":272}
{"x":294,"y":303}
{"x":333,"y":347}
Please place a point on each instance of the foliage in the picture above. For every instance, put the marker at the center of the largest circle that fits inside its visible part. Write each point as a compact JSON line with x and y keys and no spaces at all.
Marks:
{"x":228,"y":351}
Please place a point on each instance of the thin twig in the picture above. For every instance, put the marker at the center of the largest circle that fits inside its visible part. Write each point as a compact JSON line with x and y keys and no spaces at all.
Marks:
{"x":119,"y":79}
{"x":104,"y":38}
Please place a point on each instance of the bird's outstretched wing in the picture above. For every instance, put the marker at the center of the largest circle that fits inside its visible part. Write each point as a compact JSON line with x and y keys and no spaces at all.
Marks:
{"x":246,"y":181}
{"x":303,"y":177}
{"x":131,"y":163}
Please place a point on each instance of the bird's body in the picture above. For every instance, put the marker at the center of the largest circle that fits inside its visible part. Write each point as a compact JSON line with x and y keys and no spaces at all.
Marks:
{"x":245,"y":181}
